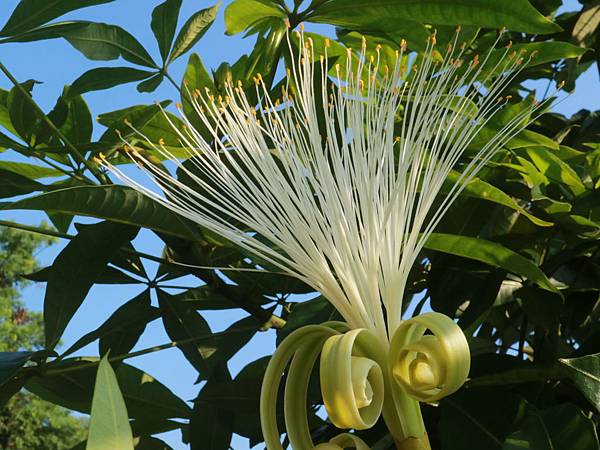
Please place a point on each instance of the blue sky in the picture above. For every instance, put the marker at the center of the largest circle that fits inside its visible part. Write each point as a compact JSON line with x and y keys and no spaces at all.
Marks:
{"x":56,"y":63}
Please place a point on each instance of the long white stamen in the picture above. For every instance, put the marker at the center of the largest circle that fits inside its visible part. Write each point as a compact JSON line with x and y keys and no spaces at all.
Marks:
{"x":346,"y":207}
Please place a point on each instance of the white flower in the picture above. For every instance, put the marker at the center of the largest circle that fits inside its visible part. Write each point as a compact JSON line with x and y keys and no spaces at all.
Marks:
{"x":346,"y":207}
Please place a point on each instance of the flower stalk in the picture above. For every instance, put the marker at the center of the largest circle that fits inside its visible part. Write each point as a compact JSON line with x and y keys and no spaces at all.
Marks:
{"x":337,"y":183}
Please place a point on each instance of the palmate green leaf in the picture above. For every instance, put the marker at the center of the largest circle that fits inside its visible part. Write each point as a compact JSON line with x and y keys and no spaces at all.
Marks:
{"x":193,"y":30}
{"x":30,"y":14}
{"x":383,"y":15}
{"x":122,"y":329}
{"x":243,"y":14}
{"x":585,"y":374}
{"x":181,"y":322}
{"x":74,"y":271}
{"x":164,"y":23}
{"x":489,"y":253}
{"x":560,"y":427}
{"x":109,"y":422}
{"x":107,"y":77}
{"x":144,"y":396}
{"x":208,"y":352}
{"x":115,"y":203}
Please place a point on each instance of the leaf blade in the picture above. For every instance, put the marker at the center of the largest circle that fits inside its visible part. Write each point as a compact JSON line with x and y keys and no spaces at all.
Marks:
{"x":109,"y":421}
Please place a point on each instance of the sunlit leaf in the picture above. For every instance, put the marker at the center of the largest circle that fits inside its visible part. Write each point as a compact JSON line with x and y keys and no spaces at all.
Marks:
{"x":109,"y":422}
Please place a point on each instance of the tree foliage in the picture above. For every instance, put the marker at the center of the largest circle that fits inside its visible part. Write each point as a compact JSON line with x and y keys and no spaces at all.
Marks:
{"x":27,"y":422}
{"x":516,"y":260}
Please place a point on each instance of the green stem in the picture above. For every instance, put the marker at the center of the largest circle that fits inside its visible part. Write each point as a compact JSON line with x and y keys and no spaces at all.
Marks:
{"x":173,"y":82}
{"x":78,"y":156}
{"x":142,"y":352}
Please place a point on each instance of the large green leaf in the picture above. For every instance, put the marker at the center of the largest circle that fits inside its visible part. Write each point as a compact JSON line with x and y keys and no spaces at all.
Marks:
{"x":109,"y":421}
{"x":122,"y":329}
{"x":193,"y":30}
{"x":243,"y":14}
{"x":490,"y":253}
{"x":164,"y":23}
{"x":138,"y":116}
{"x":32,"y":13}
{"x":211,"y":427}
{"x":585,"y":373}
{"x":72,"y":384}
{"x":151,"y":84}
{"x":469,"y":421}
{"x":23,"y":116}
{"x":78,"y":125}
{"x":478,"y":188}
{"x":29,"y":170}
{"x":556,"y":169}
{"x":12,"y":184}
{"x":101,"y":41}
{"x":107,"y":77}
{"x":74,"y":271}
{"x":383,"y":15}
{"x":116,"y":203}
{"x":557,"y":428}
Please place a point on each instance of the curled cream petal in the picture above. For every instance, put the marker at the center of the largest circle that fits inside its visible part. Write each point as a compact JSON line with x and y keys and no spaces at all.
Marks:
{"x":352,"y":385}
{"x":301,"y":347}
{"x":429,"y":367}
{"x":342,"y":441}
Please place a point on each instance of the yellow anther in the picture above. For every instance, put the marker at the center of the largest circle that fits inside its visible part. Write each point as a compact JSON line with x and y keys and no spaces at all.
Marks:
{"x":327,"y":43}
{"x":403,"y":45}
{"x":161,"y":141}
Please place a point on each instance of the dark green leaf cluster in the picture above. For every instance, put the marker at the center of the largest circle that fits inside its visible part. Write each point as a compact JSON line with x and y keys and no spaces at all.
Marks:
{"x":516,"y":261}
